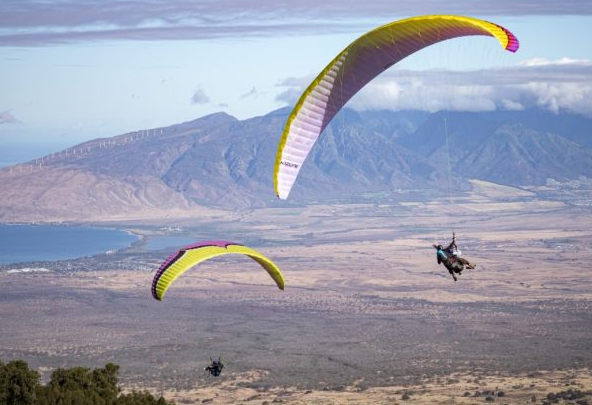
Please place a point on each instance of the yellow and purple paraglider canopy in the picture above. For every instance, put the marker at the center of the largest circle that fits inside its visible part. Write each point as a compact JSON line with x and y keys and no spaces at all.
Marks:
{"x":359,"y":63}
{"x":192,"y":255}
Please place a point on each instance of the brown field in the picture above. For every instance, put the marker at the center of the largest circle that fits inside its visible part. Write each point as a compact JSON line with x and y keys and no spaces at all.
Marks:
{"x":457,"y":388}
{"x":367,"y":314}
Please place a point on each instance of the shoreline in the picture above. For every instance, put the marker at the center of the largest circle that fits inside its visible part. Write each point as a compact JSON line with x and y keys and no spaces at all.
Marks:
{"x":139,"y":240}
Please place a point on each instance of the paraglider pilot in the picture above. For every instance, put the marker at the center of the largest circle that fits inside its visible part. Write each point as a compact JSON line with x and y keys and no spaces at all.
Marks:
{"x":451,"y":258}
{"x":215,"y":367}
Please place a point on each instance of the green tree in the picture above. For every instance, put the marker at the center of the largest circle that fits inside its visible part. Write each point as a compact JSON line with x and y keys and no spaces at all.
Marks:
{"x":47,"y":395}
{"x":81,"y":385}
{"x":105,"y":382}
{"x":68,"y":386}
{"x":18,"y":383}
{"x":71,"y":379}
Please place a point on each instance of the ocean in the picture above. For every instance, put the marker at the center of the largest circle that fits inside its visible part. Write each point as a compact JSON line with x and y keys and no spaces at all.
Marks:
{"x":26,"y":243}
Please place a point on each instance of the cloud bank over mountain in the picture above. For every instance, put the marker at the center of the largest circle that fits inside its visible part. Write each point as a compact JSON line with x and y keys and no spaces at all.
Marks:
{"x":560,"y":85}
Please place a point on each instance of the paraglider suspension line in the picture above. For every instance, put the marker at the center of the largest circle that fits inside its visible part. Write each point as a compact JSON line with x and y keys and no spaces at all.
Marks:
{"x":449,"y":173}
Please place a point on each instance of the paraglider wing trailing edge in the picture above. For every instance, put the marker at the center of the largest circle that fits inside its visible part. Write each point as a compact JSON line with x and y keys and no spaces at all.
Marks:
{"x":353,"y":68}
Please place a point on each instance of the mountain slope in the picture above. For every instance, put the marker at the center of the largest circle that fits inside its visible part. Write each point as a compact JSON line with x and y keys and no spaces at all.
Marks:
{"x":220,"y":162}
{"x":517,"y":155}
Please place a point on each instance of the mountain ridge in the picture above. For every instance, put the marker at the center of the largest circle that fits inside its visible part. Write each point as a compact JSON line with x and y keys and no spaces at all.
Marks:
{"x":219,"y":162}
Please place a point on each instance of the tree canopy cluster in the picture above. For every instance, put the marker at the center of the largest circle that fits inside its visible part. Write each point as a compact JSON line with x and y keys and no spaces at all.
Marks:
{"x":19,"y":385}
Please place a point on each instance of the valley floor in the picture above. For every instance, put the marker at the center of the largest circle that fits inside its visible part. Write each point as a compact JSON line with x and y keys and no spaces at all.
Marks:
{"x":367,"y":314}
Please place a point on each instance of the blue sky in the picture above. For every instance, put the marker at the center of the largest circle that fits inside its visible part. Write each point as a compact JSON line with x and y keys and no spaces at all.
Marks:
{"x":74,"y":70}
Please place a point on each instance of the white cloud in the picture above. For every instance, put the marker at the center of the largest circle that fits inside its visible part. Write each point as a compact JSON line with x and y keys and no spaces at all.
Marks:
{"x":199,"y":97}
{"x":293,"y":91}
{"x":35,"y":23}
{"x":511,"y":105}
{"x":547,"y":62}
{"x":561,"y":85}
{"x":6,"y":117}
{"x":251,"y":93}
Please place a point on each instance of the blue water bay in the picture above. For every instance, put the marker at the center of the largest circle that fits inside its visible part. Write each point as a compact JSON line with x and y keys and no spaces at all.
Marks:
{"x":26,"y":243}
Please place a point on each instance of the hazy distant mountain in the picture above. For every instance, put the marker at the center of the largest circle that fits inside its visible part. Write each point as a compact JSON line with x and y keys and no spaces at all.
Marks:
{"x":512,"y":148}
{"x":221,"y":162}
{"x":517,"y":155}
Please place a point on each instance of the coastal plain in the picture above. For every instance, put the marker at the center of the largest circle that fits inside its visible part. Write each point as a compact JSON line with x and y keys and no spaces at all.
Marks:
{"x":367,"y":315}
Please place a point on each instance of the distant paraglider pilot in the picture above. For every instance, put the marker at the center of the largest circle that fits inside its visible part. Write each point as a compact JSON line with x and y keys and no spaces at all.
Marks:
{"x":451,"y":258}
{"x":215,"y":367}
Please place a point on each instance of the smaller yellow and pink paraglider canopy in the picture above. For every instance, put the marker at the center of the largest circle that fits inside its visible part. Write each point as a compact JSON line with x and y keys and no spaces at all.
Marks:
{"x":192,"y":255}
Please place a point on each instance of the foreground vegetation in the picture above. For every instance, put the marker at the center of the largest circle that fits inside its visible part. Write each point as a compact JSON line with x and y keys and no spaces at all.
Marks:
{"x":19,"y":385}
